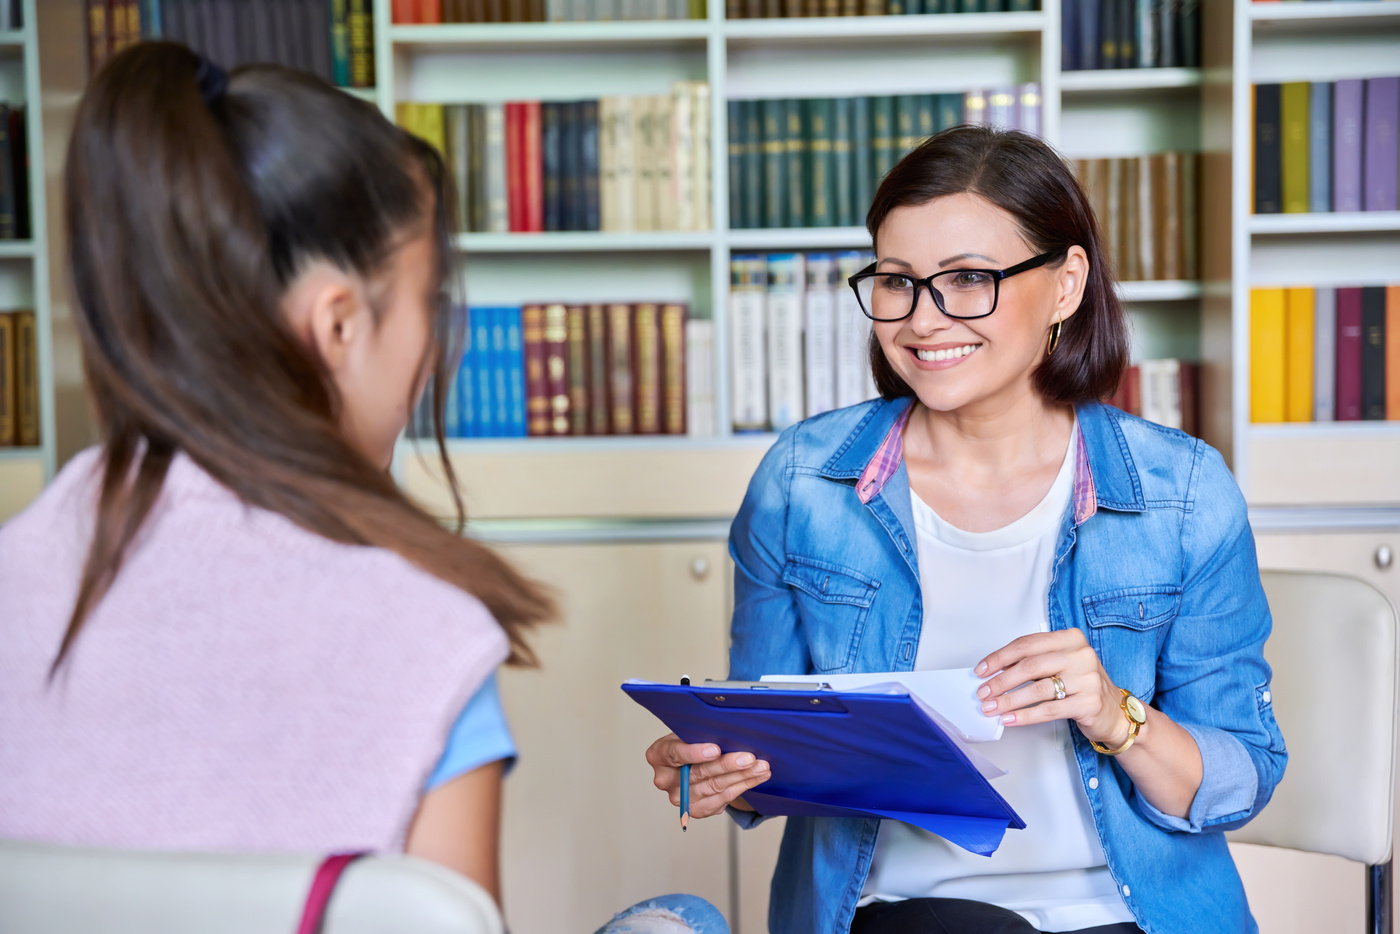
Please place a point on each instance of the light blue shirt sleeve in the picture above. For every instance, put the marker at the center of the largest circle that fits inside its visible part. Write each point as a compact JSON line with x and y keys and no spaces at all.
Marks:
{"x":480,"y":735}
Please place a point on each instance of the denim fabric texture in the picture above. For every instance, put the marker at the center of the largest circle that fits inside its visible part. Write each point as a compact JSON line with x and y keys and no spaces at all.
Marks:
{"x":1161,"y":577}
{"x":670,"y":914}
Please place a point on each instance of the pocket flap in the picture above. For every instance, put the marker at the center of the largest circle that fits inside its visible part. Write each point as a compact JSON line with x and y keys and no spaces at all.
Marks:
{"x":1135,"y":608}
{"x":830,"y":583}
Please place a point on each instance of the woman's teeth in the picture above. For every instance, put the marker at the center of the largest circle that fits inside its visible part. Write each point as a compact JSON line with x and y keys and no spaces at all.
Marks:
{"x":928,"y":356}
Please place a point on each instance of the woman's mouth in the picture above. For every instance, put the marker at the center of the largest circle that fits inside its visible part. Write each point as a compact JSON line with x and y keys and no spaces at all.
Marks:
{"x":943,"y":357}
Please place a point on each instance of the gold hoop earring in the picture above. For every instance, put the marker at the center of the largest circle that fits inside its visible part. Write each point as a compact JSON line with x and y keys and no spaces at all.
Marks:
{"x":1054,"y":338}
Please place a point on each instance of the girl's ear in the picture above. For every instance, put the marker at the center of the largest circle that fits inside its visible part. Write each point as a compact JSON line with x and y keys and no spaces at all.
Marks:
{"x":324,"y":308}
{"x":1072,"y":277}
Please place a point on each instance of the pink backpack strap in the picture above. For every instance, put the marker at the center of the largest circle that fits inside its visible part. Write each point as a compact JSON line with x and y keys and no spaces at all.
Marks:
{"x":322,"y":887}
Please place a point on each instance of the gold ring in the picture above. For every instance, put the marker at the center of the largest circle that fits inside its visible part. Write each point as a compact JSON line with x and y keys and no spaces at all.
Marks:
{"x":1059,"y":687}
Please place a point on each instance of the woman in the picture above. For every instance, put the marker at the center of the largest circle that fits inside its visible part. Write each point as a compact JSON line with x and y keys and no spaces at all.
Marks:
{"x":226,"y":628}
{"x":987,"y":512}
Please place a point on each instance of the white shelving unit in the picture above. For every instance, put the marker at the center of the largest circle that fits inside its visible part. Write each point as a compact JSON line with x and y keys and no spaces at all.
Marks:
{"x":24,"y":264}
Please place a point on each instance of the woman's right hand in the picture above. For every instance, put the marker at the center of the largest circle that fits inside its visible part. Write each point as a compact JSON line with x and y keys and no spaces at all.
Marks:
{"x":715,"y":780}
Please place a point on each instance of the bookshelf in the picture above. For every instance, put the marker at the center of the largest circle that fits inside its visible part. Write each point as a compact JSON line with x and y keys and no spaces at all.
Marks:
{"x":24,"y":267}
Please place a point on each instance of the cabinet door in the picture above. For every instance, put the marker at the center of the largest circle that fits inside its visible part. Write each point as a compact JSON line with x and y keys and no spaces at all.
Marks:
{"x":1300,"y":893}
{"x":586,"y":834}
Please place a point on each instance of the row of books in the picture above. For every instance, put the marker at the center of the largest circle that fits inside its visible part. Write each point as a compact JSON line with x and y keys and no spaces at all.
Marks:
{"x":1099,"y":34}
{"x":19,"y":380}
{"x":543,"y":11}
{"x":769,"y":9}
{"x":815,"y":163}
{"x":1147,"y":211}
{"x":330,"y":38}
{"x":613,"y":164}
{"x":1165,"y":391}
{"x":555,"y":369}
{"x":1326,"y":146}
{"x":798,"y":340}
{"x":1324,"y":354}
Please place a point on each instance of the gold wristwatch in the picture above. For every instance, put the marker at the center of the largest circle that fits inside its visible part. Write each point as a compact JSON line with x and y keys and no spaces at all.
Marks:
{"x":1137,"y":716}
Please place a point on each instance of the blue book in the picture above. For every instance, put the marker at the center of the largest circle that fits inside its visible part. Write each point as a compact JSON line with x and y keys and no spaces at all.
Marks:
{"x":1320,"y":147}
{"x":1069,"y":35}
{"x":481,"y":357}
{"x":466,"y":382}
{"x":500,"y":381}
{"x":515,"y":372}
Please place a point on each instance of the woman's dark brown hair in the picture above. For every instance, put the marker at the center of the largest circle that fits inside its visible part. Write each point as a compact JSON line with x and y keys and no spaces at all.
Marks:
{"x":186,"y":220}
{"x":1026,"y":178}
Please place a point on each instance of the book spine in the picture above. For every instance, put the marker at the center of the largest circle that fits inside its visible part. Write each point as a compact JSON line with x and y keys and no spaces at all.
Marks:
{"x":1190,"y":215}
{"x":753,"y":165}
{"x":482,"y":323}
{"x":607,"y":164}
{"x":1294,"y":124}
{"x":599,"y":377}
{"x":975,"y":108}
{"x":556,"y":346}
{"x":927,"y":117}
{"x":577,"y":327}
{"x":681,"y":156}
{"x":536,"y":378}
{"x":906,"y":120}
{"x":1087,"y":15}
{"x":1382,"y":158}
{"x":821,"y":196}
{"x":700,"y":378}
{"x":1268,"y":170}
{"x":1320,"y":147}
{"x":589,"y":171}
{"x":819,"y":324}
{"x":1348,"y":354}
{"x":1166,"y":210}
{"x":498,"y":217}
{"x":738,"y":196}
{"x":361,"y":44}
{"x":1347,"y":113}
{"x":1069,"y":35}
{"x":458,"y":131}
{"x":862,"y":166}
{"x":1028,"y":112}
{"x":852,"y":335}
{"x":621,"y":385}
{"x":1146,"y":220}
{"x":625,"y":158}
{"x":464,"y":387}
{"x":748,"y":365}
{"x":1127,"y":39}
{"x":786,"y":284}
{"x":1146,"y":39}
{"x":843,"y":177}
{"x":1298,"y":366}
{"x":882,"y":139}
{"x":1325,"y":355}
{"x":1001,"y":108}
{"x":673,"y":373}
{"x":8,"y":227}
{"x":797,"y":145}
{"x":552,"y":157}
{"x":644,"y":180}
{"x":1373,"y":352}
{"x":26,"y":379}
{"x":9,"y":389}
{"x":571,"y":162}
{"x":514,"y":355}
{"x":515,"y":166}
{"x":98,"y":34}
{"x":1266,"y":355}
{"x":774,"y":163}
{"x":700,"y":116}
{"x":646,"y":349}
{"x":1392,"y":352}
{"x":532,"y":169}
{"x":664,"y":137}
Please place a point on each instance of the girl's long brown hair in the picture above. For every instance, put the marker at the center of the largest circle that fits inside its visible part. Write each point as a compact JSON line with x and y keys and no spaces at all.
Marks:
{"x":185,"y":222}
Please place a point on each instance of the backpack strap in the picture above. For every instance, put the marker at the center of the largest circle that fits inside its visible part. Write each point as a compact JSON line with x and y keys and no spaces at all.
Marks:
{"x":322,"y":887}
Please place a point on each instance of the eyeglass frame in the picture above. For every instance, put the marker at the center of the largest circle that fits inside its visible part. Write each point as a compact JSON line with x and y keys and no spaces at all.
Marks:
{"x":869,"y":272}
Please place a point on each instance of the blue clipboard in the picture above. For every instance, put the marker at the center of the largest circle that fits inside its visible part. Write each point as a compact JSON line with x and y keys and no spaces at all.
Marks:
{"x":834,"y":754}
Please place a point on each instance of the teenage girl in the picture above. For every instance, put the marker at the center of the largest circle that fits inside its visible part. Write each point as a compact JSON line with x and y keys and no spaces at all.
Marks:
{"x":226,"y":628}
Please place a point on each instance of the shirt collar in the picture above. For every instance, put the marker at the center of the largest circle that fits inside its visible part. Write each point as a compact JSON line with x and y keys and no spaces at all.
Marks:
{"x":890,"y":455}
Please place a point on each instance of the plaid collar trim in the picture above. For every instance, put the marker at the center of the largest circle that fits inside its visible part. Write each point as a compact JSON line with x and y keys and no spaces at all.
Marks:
{"x":890,"y":455}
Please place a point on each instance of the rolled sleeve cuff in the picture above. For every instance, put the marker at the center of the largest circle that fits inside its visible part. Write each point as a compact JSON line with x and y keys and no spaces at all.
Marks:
{"x":746,"y":820}
{"x":1229,"y":784}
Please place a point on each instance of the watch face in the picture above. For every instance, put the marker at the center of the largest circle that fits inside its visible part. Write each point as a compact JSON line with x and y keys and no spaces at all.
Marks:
{"x":1135,"y":710}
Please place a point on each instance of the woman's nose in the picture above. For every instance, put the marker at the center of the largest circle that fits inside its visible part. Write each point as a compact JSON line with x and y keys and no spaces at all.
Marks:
{"x":927,"y":317}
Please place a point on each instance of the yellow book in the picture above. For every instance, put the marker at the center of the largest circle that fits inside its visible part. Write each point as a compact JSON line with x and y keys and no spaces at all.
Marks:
{"x":1298,"y":365}
{"x":1294,"y":114}
{"x":1266,"y":355}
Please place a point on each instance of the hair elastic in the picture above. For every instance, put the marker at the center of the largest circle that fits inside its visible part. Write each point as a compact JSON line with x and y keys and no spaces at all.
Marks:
{"x":212,"y":81}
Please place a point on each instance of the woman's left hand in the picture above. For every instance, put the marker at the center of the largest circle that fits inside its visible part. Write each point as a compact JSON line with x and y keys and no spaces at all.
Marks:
{"x":1091,"y":700}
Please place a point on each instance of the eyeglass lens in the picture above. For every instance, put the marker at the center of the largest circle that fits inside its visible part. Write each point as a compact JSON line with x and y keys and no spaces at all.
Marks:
{"x":960,"y":293}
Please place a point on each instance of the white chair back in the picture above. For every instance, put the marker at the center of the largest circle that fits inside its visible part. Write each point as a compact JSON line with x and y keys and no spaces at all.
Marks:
{"x":69,"y":890}
{"x":1333,"y":653}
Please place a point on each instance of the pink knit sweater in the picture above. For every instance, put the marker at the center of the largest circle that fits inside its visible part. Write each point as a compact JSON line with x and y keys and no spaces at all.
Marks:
{"x":244,"y":685}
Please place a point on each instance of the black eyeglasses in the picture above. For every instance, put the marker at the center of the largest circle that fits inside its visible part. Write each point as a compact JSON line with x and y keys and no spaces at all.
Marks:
{"x":963,"y":293}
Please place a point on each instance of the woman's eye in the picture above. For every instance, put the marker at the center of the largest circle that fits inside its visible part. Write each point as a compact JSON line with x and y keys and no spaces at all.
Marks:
{"x":898,"y":283}
{"x":971,"y":280}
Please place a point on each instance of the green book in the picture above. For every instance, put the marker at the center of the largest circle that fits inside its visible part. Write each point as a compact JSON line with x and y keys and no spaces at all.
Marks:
{"x":862,"y":166}
{"x":738,"y":197}
{"x":894,"y":7}
{"x":797,"y":146}
{"x":1294,"y":112}
{"x":340,"y":42}
{"x":774,"y":163}
{"x":882,"y":138}
{"x":928,"y":116}
{"x":1020,"y":6}
{"x":906,"y":124}
{"x":754,"y":188}
{"x":970,"y":6}
{"x":937,"y":6}
{"x":842,"y":142}
{"x":821,"y":164}
{"x":950,"y":110}
{"x":913,"y":7}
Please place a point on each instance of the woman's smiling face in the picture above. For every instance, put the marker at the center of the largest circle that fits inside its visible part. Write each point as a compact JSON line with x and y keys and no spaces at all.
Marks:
{"x":954,"y":363}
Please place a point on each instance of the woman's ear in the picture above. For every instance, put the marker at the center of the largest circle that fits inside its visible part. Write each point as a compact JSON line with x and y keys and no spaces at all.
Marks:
{"x":324,"y":309}
{"x":1071,"y":279}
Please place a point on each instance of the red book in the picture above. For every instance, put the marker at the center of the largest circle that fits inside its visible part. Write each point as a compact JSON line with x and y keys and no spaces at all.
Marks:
{"x":536,"y":378}
{"x":406,"y":11}
{"x":1348,"y":354}
{"x":515,"y":166}
{"x":532,"y":167}
{"x":430,"y":11}
{"x":556,"y":349}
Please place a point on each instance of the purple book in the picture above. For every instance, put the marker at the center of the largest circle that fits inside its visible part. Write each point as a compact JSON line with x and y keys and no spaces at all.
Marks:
{"x":1382,"y":156}
{"x":1346,"y":144}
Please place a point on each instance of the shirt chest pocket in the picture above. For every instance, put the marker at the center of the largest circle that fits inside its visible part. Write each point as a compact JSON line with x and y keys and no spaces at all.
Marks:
{"x":833,"y":603}
{"x":1127,"y":628}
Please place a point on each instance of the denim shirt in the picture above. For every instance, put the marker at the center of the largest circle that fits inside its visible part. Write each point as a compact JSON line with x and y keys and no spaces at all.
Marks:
{"x":1155,"y":565}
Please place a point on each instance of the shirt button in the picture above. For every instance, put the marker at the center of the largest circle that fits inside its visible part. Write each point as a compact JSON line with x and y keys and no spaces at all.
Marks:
{"x":1127,"y":891}
{"x":1267,"y":696}
{"x":1093,"y":783}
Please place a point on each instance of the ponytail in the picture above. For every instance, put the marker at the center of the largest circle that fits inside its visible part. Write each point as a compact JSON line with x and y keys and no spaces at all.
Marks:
{"x":186,"y":220}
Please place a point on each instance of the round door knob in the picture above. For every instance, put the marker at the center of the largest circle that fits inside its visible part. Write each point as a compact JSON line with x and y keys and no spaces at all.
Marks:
{"x":699,"y":569}
{"x":1384,"y":557}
